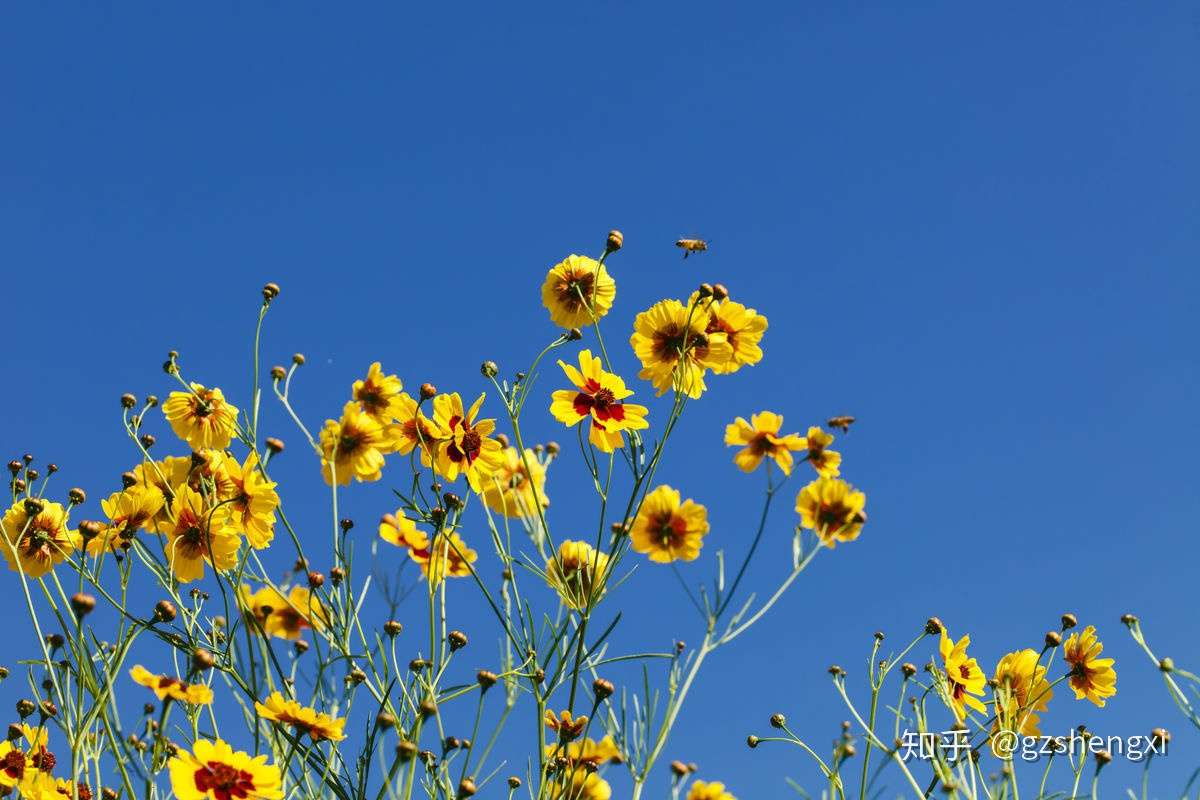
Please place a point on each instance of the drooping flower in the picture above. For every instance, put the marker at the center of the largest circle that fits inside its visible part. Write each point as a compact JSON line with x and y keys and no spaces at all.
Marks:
{"x":318,"y":725}
{"x":198,"y":534}
{"x":598,"y":396}
{"x":285,"y":617}
{"x":399,"y":530}
{"x":670,"y":340}
{"x":252,"y":502}
{"x":40,"y":540}
{"x":833,"y":509}
{"x":1021,"y":690}
{"x":214,"y":771}
{"x":446,"y":556}
{"x":354,"y":446}
{"x":825,"y":462}
{"x":666,"y":529}
{"x":164,"y":686}
{"x":577,"y":573}
{"x":128,"y":511}
{"x":760,"y":438}
{"x":515,"y":489}
{"x":565,"y":724}
{"x":709,"y":791}
{"x":575,"y":285}
{"x":743,"y":328}
{"x":1092,"y":677}
{"x":378,"y":394}
{"x":468,"y":448}
{"x":201,"y":417}
{"x":965,"y":680}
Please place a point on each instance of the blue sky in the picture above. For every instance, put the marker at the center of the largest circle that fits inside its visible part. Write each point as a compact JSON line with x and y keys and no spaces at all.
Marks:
{"x":973,"y":228}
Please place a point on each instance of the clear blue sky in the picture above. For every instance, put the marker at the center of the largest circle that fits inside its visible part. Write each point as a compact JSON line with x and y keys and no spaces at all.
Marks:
{"x":975,"y":229}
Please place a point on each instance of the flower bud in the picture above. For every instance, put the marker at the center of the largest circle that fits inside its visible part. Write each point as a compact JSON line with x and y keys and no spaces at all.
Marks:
{"x":89,"y":529}
{"x":1166,"y":665}
{"x":298,"y":359}
{"x":514,"y":782}
{"x":1069,"y":621}
{"x":300,"y":646}
{"x":428,"y":390}
{"x":427,"y":709}
{"x":270,"y":292}
{"x":147,"y":440}
{"x":1053,"y":639}
{"x":202,"y":660}
{"x":34,"y":506}
{"x":82,"y":604}
{"x":278,"y":373}
{"x":778,"y":720}
{"x":602,"y":689}
{"x":908,"y":669}
{"x":274,"y":445}
{"x":452,"y":500}
{"x":679,"y":769}
{"x":405,"y":750}
{"x":337,"y":575}
{"x":705,"y":290}
{"x":720,"y":292}
{"x":486,"y":679}
{"x":1160,"y":736}
{"x":128,"y":400}
{"x":1103,"y":757}
{"x":457,"y":640}
{"x":392,"y":628}
{"x":25,"y":708}
{"x":933,"y":626}
{"x":466,"y":787}
{"x":489,"y":369}
{"x":836,"y":671}
{"x":164,"y":611}
{"x":615,"y":240}
{"x":573,"y":335}
{"x":752,"y":741}
{"x":315,"y":580}
{"x":385,"y":720}
{"x":1129,"y":619}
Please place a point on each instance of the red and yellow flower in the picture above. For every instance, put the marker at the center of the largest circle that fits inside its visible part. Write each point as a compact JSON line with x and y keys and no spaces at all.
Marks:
{"x":517,"y":486}
{"x":675,"y":350}
{"x":198,"y":534}
{"x":964,"y":679}
{"x":759,"y":439}
{"x":598,"y":396}
{"x":1092,"y":677}
{"x":667,"y":529}
{"x":252,"y":501}
{"x":378,"y":394}
{"x":578,"y":291}
{"x":36,"y":537}
{"x":319,"y":726}
{"x":467,"y":448}
{"x":214,"y":771}
{"x":833,"y":509}
{"x":166,"y":686}
{"x":354,"y":446}
{"x":202,"y":417}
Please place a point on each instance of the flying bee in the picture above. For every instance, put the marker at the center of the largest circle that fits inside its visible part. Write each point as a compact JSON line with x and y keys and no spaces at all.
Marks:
{"x":689,"y":246}
{"x":841,"y":423}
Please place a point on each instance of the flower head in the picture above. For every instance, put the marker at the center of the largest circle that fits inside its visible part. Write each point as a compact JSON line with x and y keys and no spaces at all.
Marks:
{"x":1021,"y":690}
{"x":1091,"y":676}
{"x":964,"y":678}
{"x":675,"y":350}
{"x":201,"y":417}
{"x":669,"y":530}
{"x":743,"y":329}
{"x":198,"y":534}
{"x":128,"y":511}
{"x":166,"y":476}
{"x":517,"y":485}
{"x":40,"y":540}
{"x":577,"y":573}
{"x":354,"y":446}
{"x":825,"y":462}
{"x":446,"y":556}
{"x":401,"y":531}
{"x":285,"y":617}
{"x":709,"y":791}
{"x":579,"y":784}
{"x":413,"y":430}
{"x":598,"y":396}
{"x":596,"y":753}
{"x":760,"y":438}
{"x":165,"y":686}
{"x":833,"y":509}
{"x":317,"y":725}
{"x":378,"y":394}
{"x":567,"y":726}
{"x":578,"y":291}
{"x":214,"y":771}
{"x":468,"y":447}
{"x":253,"y":501}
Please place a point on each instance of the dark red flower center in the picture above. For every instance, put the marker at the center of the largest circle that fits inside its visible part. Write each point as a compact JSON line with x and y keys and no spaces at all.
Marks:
{"x":14,"y":764}
{"x":225,"y":782}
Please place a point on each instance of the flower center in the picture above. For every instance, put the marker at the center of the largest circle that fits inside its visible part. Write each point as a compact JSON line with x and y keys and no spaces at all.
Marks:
{"x":225,"y":782}
{"x":14,"y":764}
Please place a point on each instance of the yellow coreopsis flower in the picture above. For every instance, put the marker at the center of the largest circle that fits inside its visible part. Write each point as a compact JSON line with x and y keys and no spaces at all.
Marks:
{"x":319,"y":726}
{"x":214,"y":771}
{"x":825,"y":462}
{"x":577,"y":573}
{"x":166,"y":476}
{"x":598,"y":396}
{"x":964,"y":678}
{"x":165,"y":686}
{"x":667,"y":530}
{"x":414,"y":430}
{"x":34,"y":543}
{"x":579,"y":784}
{"x":446,"y":556}
{"x":1021,"y":690}
{"x":201,"y":417}
{"x":709,"y":791}
{"x":399,"y":530}
{"x":565,"y":724}
{"x":514,"y":489}
{"x":15,"y":769}
{"x":285,"y":617}
{"x":354,"y":446}
{"x":253,"y":501}
{"x":743,"y":329}
{"x":1091,"y":676}
{"x":46,"y":787}
{"x":596,"y":753}
{"x":832,"y":509}
{"x":574,"y":286}
{"x":467,"y":449}
{"x":674,"y":348}
{"x":198,"y":534}
{"x":378,"y":394}
{"x":760,"y":438}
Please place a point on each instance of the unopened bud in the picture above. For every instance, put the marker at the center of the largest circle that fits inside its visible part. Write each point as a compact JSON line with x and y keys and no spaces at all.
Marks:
{"x":164,"y":611}
{"x":428,"y":390}
{"x":602,"y":688}
{"x":392,"y":628}
{"x":270,"y":292}
{"x":720,"y":292}
{"x":614,"y":242}
{"x":489,"y":369}
{"x":933,"y":626}
{"x":202,"y":660}
{"x":457,"y":640}
{"x":82,"y":604}
{"x":778,"y":720}
{"x":128,"y":400}
{"x":1069,"y":621}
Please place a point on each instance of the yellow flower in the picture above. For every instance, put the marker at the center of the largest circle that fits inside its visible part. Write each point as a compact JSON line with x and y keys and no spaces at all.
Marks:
{"x":709,"y":791}
{"x":201,"y":417}
{"x":378,"y":394}
{"x":579,"y":784}
{"x":597,"y":396}
{"x":317,"y":725}
{"x":285,"y":617}
{"x":577,"y":574}
{"x":128,"y":511}
{"x":15,"y":769}
{"x":596,"y":753}
{"x":354,"y":446}
{"x":41,"y":540}
{"x":414,"y":430}
{"x":166,"y":476}
{"x":46,"y":787}
{"x":198,"y":534}
{"x":833,"y":509}
{"x":567,"y":726}
{"x":1091,"y":676}
{"x":253,"y":501}
{"x":401,"y":531}
{"x":165,"y":686}
{"x":467,"y":449}
{"x":760,"y":439}
{"x":213,"y":771}
{"x":675,"y":351}
{"x":667,"y":530}
{"x":964,"y":678}
{"x":447,"y":556}
{"x":574,"y":285}
{"x":825,"y":462}
{"x":513,"y":490}
{"x":1021,"y":690}
{"x":743,"y":328}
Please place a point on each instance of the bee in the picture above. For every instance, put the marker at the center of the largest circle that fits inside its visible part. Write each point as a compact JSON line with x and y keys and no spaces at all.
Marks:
{"x":841,"y":423}
{"x":690,"y":246}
